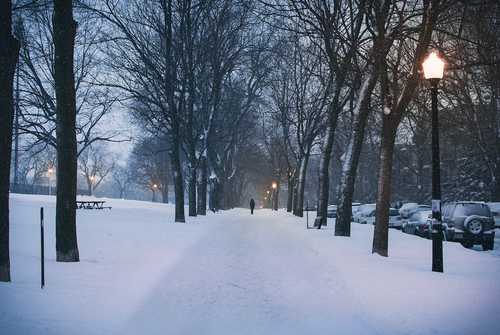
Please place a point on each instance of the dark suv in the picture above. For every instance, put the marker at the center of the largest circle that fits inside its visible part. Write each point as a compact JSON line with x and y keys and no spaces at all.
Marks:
{"x":469,"y":223}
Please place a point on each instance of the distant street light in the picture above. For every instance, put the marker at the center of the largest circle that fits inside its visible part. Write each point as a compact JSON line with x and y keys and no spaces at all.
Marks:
{"x":50,"y":171}
{"x":433,"y":71}
{"x":155,"y":187}
{"x":274,"y":186}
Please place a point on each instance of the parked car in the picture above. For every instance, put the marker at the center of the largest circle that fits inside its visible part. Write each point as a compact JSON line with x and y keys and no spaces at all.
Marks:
{"x":395,"y":220}
{"x":469,"y":223}
{"x":364,"y":211}
{"x":418,"y":223}
{"x":331,"y":211}
{"x":408,"y":209}
{"x":355,"y":208}
{"x":495,"y":211}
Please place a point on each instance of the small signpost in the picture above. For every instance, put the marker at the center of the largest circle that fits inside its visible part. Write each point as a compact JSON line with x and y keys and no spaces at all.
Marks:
{"x":42,"y":251}
{"x":307,"y":214}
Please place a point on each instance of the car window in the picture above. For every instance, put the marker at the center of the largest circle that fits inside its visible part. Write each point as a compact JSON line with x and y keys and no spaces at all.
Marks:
{"x":471,"y":209}
{"x":393,"y":212}
{"x":415,"y":217}
{"x":366,"y":209}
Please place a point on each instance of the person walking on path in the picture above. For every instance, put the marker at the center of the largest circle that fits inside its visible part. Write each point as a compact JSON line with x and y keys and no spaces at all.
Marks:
{"x":252,"y":205}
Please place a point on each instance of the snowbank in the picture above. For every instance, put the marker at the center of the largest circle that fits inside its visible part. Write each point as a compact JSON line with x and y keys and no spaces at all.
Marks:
{"x":232,"y":273}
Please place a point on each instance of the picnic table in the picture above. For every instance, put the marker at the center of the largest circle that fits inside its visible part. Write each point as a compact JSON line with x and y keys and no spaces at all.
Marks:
{"x":91,"y":204}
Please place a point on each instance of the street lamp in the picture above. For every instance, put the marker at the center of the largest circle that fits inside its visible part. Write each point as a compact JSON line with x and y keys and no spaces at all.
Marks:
{"x":274,"y":186}
{"x":154,"y":192}
{"x":50,"y":171}
{"x":433,"y":71}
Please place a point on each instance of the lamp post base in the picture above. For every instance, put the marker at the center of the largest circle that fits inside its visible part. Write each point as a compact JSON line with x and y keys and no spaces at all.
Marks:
{"x":437,"y":249}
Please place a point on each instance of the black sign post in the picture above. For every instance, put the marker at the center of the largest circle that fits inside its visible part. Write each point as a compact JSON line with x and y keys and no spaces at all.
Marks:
{"x":307,"y":214}
{"x":42,"y":251}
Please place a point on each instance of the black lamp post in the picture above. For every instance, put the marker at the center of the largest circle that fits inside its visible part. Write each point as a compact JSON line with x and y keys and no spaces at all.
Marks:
{"x":433,"y":70}
{"x":274,"y":186}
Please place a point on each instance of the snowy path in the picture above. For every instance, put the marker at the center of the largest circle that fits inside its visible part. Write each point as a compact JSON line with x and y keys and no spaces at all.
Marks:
{"x":232,"y":273}
{"x":249,"y":275}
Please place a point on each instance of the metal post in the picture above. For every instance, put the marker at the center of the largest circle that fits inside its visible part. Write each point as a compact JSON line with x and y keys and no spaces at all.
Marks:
{"x":307,"y":214}
{"x":50,"y":185}
{"x":437,"y":237}
{"x":42,"y":251}
{"x":276,"y":198}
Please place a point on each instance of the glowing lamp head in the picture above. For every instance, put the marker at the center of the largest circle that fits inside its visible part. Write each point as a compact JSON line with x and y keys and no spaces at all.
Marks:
{"x":155,"y":186}
{"x":274,"y":185}
{"x":433,"y":66}
{"x":50,"y":170}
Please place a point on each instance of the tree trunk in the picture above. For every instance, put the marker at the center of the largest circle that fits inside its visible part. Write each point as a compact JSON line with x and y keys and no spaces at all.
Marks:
{"x":16,"y":132}
{"x":64,"y":41}
{"x":381,"y":232}
{"x":324,"y":164}
{"x":276,"y":197}
{"x":164,"y":193}
{"x":299,"y":210}
{"x":9,"y":52}
{"x":289,"y":200}
{"x":495,"y":196}
{"x":178,"y":181}
{"x":175,"y":157}
{"x":192,"y":191}
{"x":202,"y":187}
{"x":216,"y":195}
{"x":165,"y":174}
{"x":294,"y":196}
{"x":351,"y":159}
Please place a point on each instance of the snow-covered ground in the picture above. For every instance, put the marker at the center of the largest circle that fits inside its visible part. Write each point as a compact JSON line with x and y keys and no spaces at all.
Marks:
{"x":232,"y":273}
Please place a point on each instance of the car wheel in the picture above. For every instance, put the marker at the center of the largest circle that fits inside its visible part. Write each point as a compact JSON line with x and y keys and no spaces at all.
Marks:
{"x":467,"y":244}
{"x":473,"y":225}
{"x":488,"y":244}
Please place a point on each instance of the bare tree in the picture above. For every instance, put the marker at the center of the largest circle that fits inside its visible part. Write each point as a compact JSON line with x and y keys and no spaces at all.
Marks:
{"x":95,"y":163}
{"x":397,"y":93}
{"x":149,"y":166}
{"x":364,"y":82}
{"x":37,"y":103}
{"x":64,"y":39}
{"x":9,"y":52}
{"x":300,"y":96}
{"x":122,"y":177}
